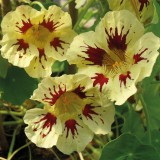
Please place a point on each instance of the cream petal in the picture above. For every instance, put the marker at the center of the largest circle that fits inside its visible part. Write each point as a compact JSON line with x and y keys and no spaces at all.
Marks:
{"x":75,"y":136}
{"x":84,"y":50}
{"x":43,"y":128}
{"x":40,"y":67}
{"x":124,"y":85}
{"x":59,"y":44}
{"x":16,"y":20}
{"x":98,"y":119}
{"x":145,"y":53}
{"x":17,"y":51}
{"x":116,"y":31}
{"x":144,"y":10}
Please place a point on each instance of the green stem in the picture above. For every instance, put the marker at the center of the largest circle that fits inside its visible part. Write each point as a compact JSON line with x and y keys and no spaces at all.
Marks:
{"x":12,"y":112}
{"x":13,"y":142}
{"x":147,"y":117}
{"x":8,"y":123}
{"x":82,"y":13}
{"x":16,"y":151}
{"x":55,"y":154}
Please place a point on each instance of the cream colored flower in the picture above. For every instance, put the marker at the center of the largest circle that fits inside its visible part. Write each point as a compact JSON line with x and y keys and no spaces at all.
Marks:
{"x":34,"y":39}
{"x":143,"y":9}
{"x":116,"y":56}
{"x":71,"y":115}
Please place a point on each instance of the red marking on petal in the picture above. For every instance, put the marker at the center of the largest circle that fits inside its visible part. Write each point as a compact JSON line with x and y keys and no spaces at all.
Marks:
{"x":123,"y":78}
{"x":26,"y":25}
{"x":41,"y":55}
{"x":88,"y":111}
{"x":138,"y":57}
{"x":57,"y":43}
{"x":143,"y":2}
{"x":95,"y":55}
{"x":50,"y":25}
{"x":22,"y":45}
{"x":49,"y":120}
{"x":71,"y":126}
{"x":116,"y":40}
{"x":54,"y":96}
{"x":100,"y":79}
{"x":79,"y":91}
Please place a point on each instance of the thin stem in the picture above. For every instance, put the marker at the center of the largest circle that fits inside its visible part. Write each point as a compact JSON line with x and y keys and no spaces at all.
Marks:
{"x":13,"y":142}
{"x":54,"y":154}
{"x":12,"y":112}
{"x":16,"y":151}
{"x":38,"y":3}
{"x":80,"y":155}
{"x":82,"y":13}
{"x":147,"y":117}
{"x":12,"y":122}
{"x":3,"y":139}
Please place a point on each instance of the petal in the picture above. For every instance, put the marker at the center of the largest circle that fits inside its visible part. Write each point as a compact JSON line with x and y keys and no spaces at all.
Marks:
{"x":100,"y":78}
{"x":124,"y":85}
{"x":17,"y":51}
{"x":75,"y":136}
{"x":20,"y":20}
{"x":98,"y":119}
{"x":118,"y":31}
{"x":143,"y":9}
{"x":43,"y":127}
{"x":145,"y":53}
{"x":60,"y":19}
{"x":40,"y":66}
{"x":59,"y":44}
{"x":84,"y":50}
{"x":50,"y":89}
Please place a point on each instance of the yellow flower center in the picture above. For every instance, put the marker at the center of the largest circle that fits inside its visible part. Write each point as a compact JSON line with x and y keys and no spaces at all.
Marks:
{"x":38,"y":36}
{"x":69,"y":102}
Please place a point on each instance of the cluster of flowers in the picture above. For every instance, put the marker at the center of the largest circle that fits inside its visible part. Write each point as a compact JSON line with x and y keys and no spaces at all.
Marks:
{"x":110,"y":60}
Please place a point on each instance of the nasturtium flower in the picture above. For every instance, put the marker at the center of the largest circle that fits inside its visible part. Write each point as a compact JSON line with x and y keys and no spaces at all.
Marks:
{"x":73,"y":111}
{"x":116,"y":56}
{"x":34,"y":39}
{"x":143,"y":9}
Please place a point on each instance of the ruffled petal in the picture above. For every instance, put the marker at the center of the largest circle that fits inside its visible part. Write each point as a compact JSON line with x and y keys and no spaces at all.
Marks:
{"x":84,"y":50}
{"x":116,"y":32}
{"x":43,"y":127}
{"x":124,"y":85}
{"x":145,"y":53}
{"x":75,"y":136}
{"x":17,"y":51}
{"x":98,"y":119}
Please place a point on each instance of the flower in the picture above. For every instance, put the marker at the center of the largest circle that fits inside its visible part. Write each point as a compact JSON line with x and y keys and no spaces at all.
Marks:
{"x":143,"y":9}
{"x":116,"y":56}
{"x":71,"y":114}
{"x":79,"y":3}
{"x":34,"y":39}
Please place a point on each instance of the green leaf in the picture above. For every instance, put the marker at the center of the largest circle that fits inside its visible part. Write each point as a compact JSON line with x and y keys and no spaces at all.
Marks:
{"x":133,"y":123}
{"x":59,"y":67}
{"x":155,"y":139}
{"x":128,"y":147}
{"x":17,"y":86}
{"x":3,"y":67}
{"x":151,"y":95}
